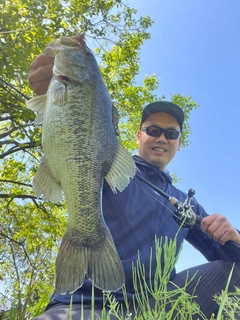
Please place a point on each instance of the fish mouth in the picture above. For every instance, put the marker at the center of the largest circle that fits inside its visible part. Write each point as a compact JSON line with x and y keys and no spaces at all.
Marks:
{"x":62,"y":78}
{"x":57,"y":45}
{"x":73,"y":41}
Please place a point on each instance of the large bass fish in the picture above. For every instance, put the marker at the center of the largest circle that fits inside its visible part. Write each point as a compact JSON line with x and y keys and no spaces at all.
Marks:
{"x":79,"y":125}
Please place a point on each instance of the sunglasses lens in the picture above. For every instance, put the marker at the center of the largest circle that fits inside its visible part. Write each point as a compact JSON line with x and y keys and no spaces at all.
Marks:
{"x":154,"y":131}
{"x":170,"y":134}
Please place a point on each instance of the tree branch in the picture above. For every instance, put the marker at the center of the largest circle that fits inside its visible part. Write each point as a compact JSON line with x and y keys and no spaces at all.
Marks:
{"x":19,"y":196}
{"x":6,"y":118}
{"x":7,"y":133}
{"x":16,"y":149}
{"x":20,"y":244}
{"x":16,"y":182}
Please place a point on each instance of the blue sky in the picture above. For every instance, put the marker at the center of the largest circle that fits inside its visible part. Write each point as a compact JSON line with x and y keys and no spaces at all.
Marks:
{"x":195,"y":50}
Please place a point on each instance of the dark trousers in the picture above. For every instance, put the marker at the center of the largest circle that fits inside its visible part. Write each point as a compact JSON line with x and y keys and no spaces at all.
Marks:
{"x":213,"y":279}
{"x":214,"y":276}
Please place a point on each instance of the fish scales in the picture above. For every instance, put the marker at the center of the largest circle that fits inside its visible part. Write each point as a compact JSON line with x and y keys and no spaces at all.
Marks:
{"x":81,"y":149}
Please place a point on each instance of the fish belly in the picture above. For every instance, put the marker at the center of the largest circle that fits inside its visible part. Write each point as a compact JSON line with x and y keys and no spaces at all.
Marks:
{"x":79,"y":144}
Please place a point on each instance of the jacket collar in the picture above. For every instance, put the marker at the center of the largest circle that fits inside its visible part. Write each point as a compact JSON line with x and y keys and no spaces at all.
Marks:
{"x":151,"y":172}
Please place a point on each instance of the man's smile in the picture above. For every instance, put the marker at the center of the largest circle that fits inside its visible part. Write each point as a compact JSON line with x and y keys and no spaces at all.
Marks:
{"x":159,"y":149}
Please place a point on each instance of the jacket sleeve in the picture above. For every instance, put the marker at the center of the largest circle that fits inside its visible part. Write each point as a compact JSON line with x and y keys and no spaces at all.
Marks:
{"x":211,"y":249}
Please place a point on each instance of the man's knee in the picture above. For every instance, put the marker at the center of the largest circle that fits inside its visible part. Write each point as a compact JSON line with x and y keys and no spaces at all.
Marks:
{"x":236,"y":274}
{"x":237,"y":265}
{"x":228,"y":270}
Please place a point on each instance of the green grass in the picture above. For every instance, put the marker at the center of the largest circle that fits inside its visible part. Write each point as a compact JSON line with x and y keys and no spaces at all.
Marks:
{"x":182,"y":303}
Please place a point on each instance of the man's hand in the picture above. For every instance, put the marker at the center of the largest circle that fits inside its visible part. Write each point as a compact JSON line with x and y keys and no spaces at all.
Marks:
{"x":219,"y":229}
{"x":41,"y":73}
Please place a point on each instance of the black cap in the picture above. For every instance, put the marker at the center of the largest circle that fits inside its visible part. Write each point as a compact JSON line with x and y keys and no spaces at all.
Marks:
{"x":164,"y":106}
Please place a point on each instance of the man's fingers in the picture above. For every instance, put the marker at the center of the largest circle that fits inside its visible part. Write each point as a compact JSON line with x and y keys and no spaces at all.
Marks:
{"x":219,"y":229}
{"x":41,"y":60}
{"x":41,"y":73}
{"x":220,"y":235}
{"x":41,"y":87}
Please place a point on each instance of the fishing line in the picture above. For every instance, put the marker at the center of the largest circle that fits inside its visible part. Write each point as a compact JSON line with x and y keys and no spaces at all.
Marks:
{"x":184,"y":215}
{"x":182,"y":208}
{"x":152,"y":195}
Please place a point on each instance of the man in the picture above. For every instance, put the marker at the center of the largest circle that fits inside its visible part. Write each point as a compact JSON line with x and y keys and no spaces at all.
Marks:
{"x":136,"y":215}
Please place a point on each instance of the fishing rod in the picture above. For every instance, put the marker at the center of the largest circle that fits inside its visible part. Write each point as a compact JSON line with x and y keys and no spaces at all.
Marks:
{"x":184,"y":214}
{"x":14,"y":88}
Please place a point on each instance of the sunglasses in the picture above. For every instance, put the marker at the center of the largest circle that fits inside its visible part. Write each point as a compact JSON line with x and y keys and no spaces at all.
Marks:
{"x":155,"y":131}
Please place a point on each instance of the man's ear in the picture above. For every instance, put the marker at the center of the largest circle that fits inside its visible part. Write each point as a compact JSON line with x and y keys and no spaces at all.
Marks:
{"x":179,"y":144}
{"x":138,"y":136}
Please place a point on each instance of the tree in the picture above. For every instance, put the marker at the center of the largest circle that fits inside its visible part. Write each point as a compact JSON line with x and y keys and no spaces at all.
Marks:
{"x":30,"y":229}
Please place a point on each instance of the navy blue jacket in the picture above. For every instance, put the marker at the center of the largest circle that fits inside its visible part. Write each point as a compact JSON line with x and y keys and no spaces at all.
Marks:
{"x":134,"y":218}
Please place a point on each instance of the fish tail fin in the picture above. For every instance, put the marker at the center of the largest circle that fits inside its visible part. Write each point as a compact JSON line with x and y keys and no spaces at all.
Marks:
{"x":99,"y":262}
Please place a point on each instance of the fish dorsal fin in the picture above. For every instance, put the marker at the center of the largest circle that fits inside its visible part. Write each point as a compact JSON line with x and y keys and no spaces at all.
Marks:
{"x":122,"y":169}
{"x":37,"y":104}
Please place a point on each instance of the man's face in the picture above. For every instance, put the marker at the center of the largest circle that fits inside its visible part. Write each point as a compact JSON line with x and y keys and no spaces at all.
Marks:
{"x":158,"y":151}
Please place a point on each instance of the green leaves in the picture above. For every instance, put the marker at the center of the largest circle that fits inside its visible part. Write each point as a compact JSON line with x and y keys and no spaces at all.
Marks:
{"x":187,"y":105}
{"x":30,"y":229}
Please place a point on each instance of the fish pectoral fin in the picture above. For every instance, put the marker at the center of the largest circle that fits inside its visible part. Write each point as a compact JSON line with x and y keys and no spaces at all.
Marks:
{"x":122,"y":169}
{"x":45,"y":184}
{"x":37,"y":104}
{"x":59,"y":91}
{"x":100,"y":263}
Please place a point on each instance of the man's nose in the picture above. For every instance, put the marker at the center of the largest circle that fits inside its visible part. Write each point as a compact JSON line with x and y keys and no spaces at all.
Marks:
{"x":161,"y":137}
